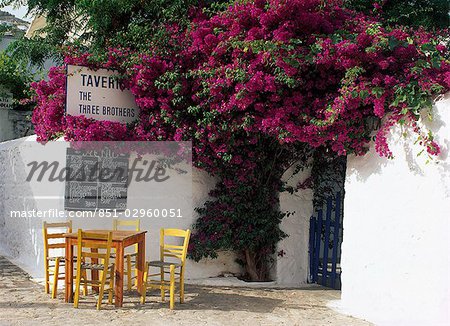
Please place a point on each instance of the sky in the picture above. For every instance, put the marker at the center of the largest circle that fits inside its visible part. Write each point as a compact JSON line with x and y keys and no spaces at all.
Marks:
{"x":20,"y":12}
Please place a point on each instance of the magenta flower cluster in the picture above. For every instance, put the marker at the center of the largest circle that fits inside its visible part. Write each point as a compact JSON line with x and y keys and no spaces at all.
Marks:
{"x":299,"y":71}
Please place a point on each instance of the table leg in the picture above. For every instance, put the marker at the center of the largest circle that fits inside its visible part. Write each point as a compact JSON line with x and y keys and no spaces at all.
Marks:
{"x":140,"y":263}
{"x":119,"y":276}
{"x":68,"y":272}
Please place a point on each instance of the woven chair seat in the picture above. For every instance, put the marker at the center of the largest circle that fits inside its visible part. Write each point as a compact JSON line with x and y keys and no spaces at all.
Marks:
{"x":95,"y":266}
{"x":158,"y":263}
{"x":62,"y":258}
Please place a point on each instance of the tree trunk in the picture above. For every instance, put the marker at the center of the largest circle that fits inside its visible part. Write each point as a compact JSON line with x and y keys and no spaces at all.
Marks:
{"x":255,"y":266}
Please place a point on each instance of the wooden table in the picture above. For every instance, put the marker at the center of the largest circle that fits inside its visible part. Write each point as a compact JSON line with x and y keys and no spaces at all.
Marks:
{"x":121,"y":240}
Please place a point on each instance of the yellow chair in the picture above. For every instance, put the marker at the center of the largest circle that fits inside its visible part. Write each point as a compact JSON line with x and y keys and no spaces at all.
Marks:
{"x":172,"y":258}
{"x":130,"y":258}
{"x":99,"y":261}
{"x":54,"y":240}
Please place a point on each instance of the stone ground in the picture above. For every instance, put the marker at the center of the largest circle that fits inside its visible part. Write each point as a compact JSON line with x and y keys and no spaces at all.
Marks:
{"x":23,"y":302}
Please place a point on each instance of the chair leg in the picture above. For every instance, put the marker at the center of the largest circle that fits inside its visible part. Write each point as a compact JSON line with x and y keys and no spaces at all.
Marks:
{"x":144,"y":284}
{"x":47,"y":277}
{"x":162,"y":287}
{"x":136,"y":274}
{"x":55,"y":279}
{"x":182,"y":285}
{"x":77,"y":287}
{"x":172,"y":286}
{"x":129,"y":272}
{"x":85,"y":287}
{"x":111,"y":285}
{"x":102,"y":289}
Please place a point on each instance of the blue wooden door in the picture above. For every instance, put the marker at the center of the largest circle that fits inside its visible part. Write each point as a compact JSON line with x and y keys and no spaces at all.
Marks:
{"x":325,"y":238}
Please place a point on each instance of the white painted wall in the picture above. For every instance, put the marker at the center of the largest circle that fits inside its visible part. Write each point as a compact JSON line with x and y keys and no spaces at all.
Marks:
{"x":396,"y":247}
{"x":21,"y":238}
{"x":292,"y":267}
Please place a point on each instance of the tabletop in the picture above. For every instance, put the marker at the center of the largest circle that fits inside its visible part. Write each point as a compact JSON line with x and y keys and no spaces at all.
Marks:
{"x":118,"y":235}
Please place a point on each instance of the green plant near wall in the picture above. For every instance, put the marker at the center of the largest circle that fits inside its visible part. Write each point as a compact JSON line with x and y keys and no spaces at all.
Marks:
{"x":15,"y":78}
{"x":20,"y":63}
{"x":429,"y":14}
{"x":104,"y":23}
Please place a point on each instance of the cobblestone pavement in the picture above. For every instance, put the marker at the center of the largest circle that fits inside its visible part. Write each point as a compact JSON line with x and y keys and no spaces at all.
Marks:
{"x":23,"y":302}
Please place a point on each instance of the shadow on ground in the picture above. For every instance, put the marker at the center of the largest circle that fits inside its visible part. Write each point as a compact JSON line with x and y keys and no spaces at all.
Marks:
{"x":23,"y":302}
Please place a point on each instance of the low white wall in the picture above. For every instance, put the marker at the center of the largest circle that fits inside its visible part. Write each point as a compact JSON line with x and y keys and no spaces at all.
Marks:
{"x":292,"y":263}
{"x":21,"y":238}
{"x":395,"y":251}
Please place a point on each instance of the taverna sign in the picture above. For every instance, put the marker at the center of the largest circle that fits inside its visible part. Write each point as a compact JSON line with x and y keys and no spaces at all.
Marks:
{"x":98,"y":95}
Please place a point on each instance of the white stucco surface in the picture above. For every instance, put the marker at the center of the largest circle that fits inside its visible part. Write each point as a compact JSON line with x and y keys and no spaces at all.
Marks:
{"x":292,"y":265}
{"x":395,"y":251}
{"x":21,"y":237}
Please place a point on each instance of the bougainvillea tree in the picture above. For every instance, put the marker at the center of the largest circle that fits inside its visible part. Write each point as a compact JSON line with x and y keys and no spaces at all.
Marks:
{"x":257,"y":88}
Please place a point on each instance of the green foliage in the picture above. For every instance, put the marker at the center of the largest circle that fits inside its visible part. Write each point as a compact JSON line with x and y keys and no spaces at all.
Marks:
{"x":10,"y":30}
{"x":212,"y":7}
{"x":244,"y":215}
{"x":14,"y":78}
{"x":33,"y":52}
{"x":328,"y":173}
{"x":97,"y":25}
{"x":101,"y":23}
{"x":430,"y":14}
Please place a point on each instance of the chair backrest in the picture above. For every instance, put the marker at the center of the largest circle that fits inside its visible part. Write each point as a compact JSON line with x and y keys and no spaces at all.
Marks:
{"x":119,"y":224}
{"x":174,"y":251}
{"x":126,"y":225}
{"x":90,"y":240}
{"x":55,"y":232}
